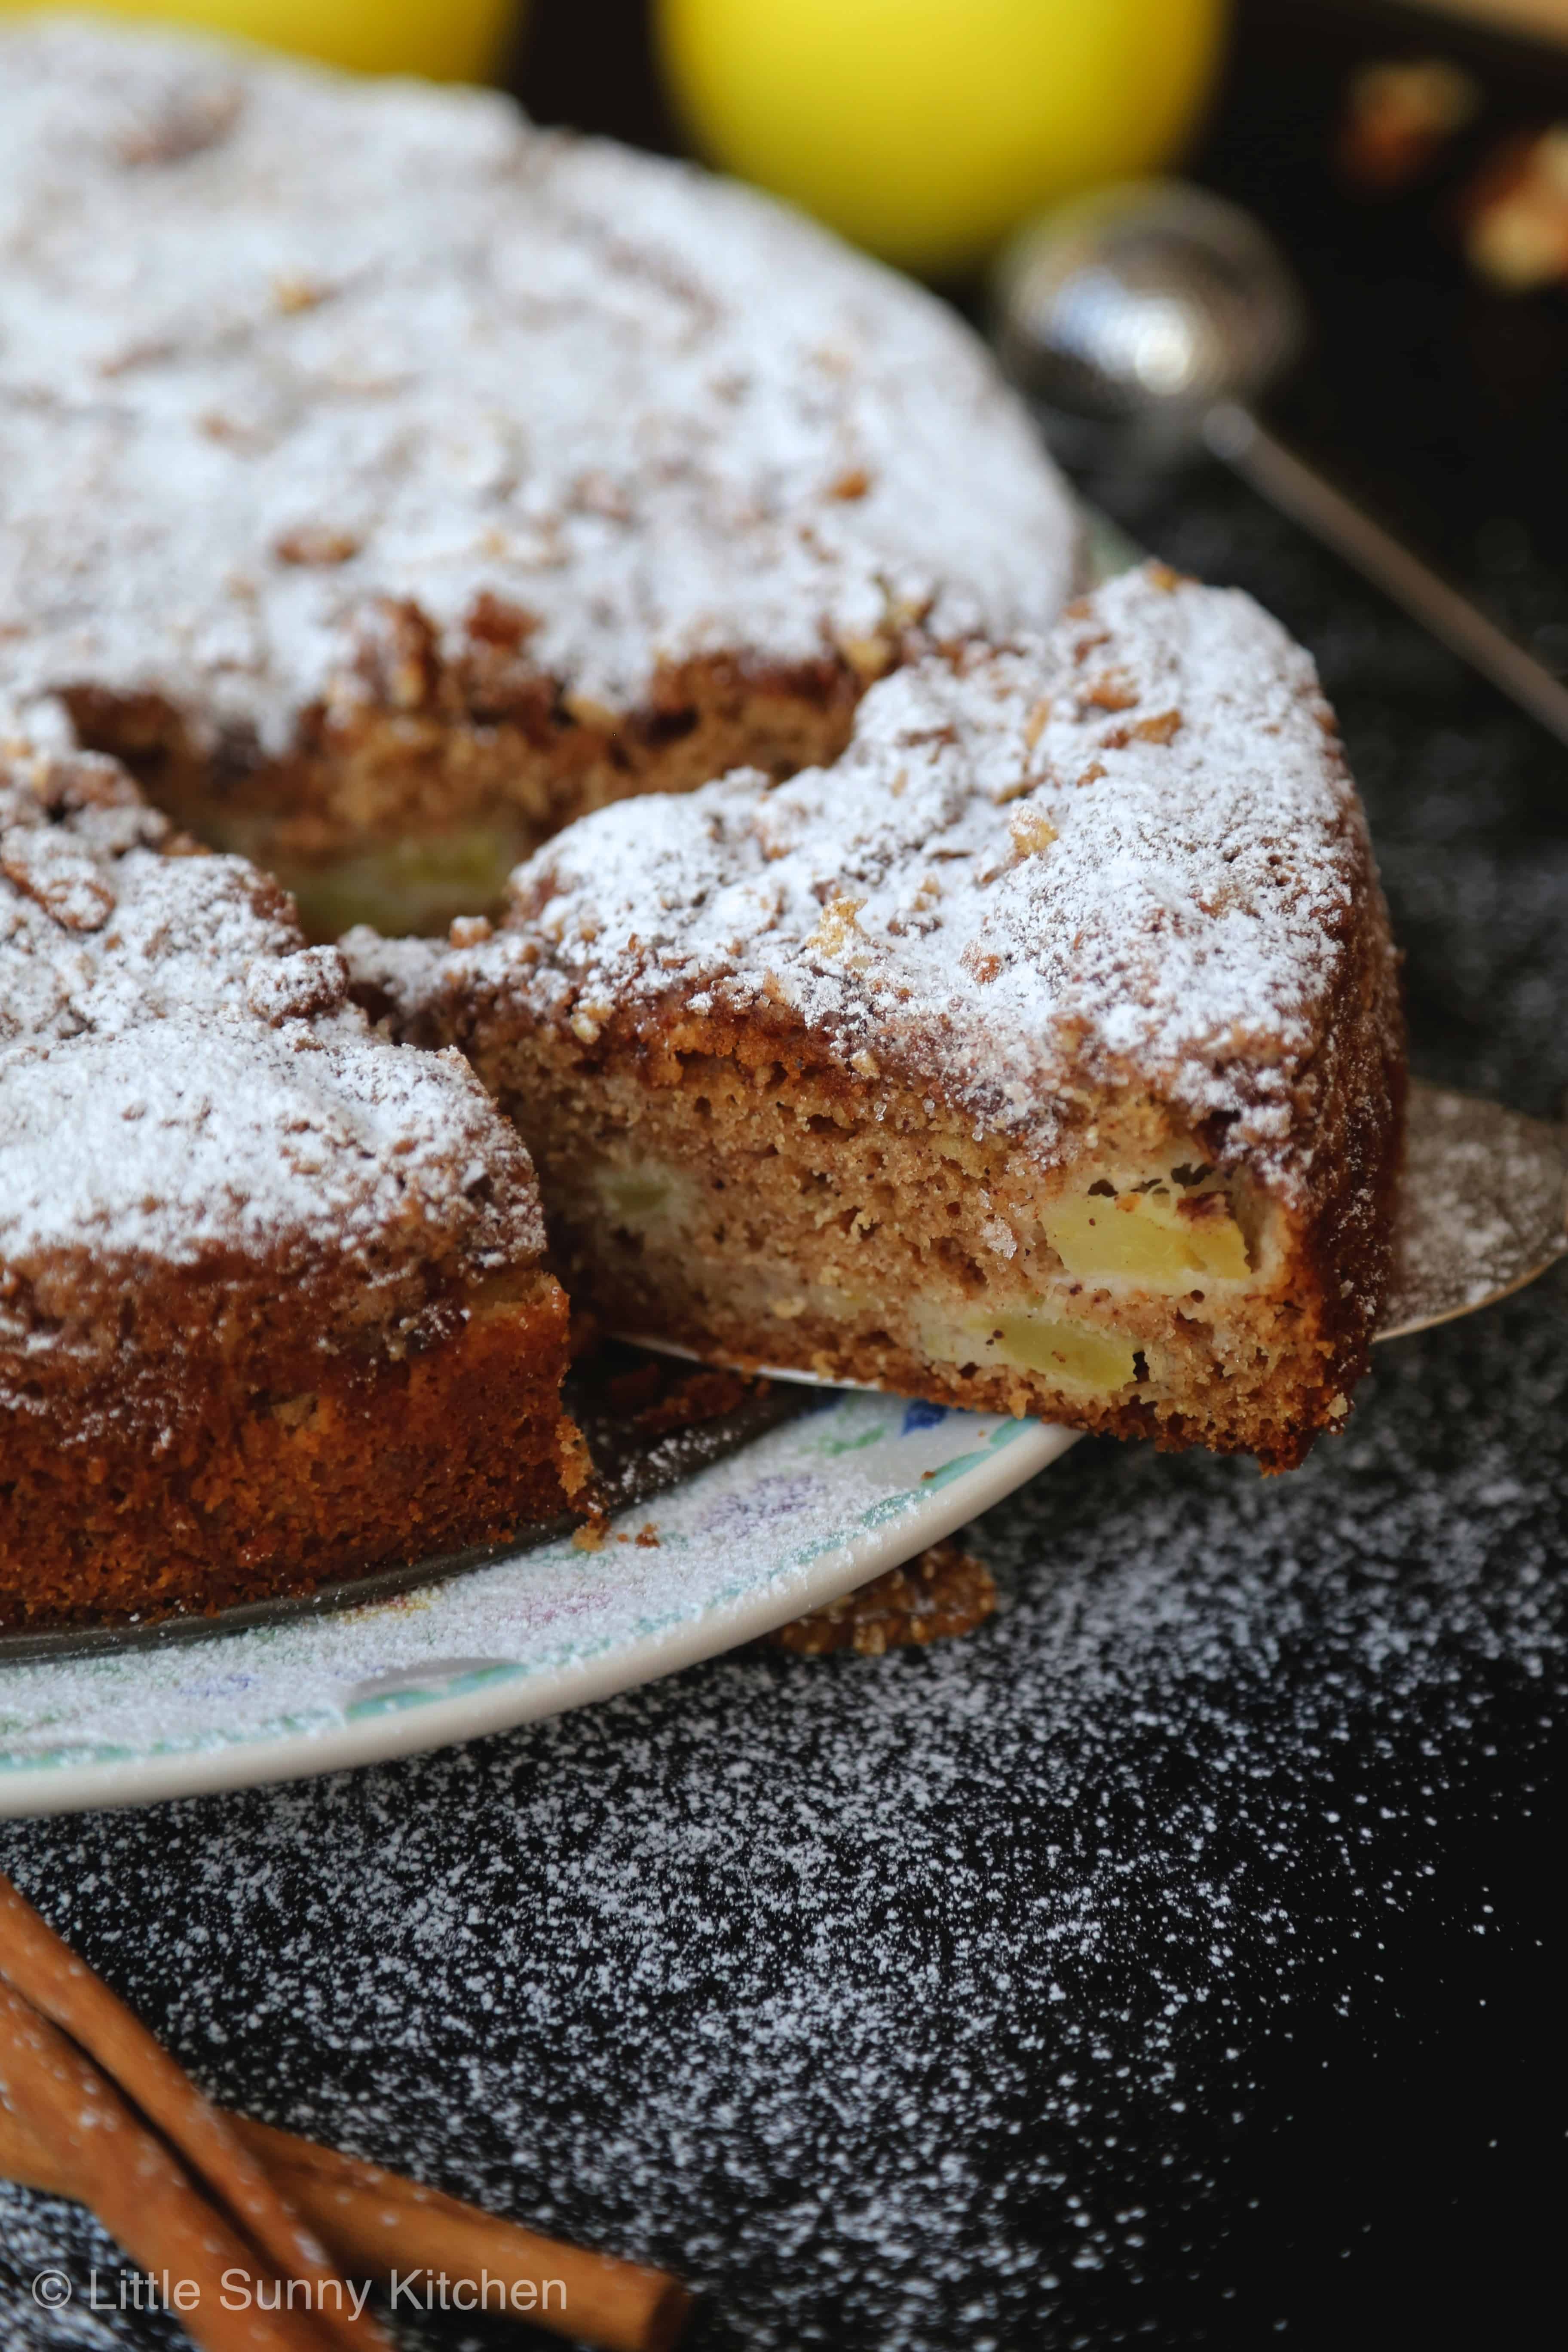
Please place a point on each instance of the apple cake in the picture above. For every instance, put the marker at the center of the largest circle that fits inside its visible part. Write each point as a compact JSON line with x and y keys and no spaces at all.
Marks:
{"x":272,"y":1302}
{"x":387,"y":481}
{"x":1044,"y":1053}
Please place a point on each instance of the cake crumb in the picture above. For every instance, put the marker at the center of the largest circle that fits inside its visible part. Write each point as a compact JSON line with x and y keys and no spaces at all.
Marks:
{"x":943,"y":1593}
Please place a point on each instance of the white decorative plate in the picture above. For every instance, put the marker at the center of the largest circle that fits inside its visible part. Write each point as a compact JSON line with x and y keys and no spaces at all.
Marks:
{"x":802,"y":1515}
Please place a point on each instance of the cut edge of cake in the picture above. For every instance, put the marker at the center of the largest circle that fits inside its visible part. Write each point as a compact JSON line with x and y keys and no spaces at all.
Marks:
{"x":1045,"y":1055}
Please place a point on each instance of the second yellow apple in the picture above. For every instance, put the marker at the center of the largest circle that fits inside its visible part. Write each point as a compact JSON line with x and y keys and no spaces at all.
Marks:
{"x":926,"y":129}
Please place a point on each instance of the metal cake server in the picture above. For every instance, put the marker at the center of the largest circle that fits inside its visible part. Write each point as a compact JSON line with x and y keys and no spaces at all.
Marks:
{"x":1483,"y":1208}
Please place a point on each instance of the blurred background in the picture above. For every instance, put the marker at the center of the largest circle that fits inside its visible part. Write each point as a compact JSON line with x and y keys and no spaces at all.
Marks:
{"x":1412,"y":162}
{"x":1411,"y":159}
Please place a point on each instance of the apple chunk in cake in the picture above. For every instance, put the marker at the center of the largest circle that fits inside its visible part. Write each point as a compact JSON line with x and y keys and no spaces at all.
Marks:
{"x":1043,"y":1054}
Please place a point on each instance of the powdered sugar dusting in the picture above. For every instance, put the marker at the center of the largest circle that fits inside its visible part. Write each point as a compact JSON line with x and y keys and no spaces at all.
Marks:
{"x":180,"y":1073}
{"x":277,"y":345}
{"x":1130,"y":854}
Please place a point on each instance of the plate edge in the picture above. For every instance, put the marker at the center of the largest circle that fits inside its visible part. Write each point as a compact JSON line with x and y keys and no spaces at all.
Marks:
{"x":441,"y":1723}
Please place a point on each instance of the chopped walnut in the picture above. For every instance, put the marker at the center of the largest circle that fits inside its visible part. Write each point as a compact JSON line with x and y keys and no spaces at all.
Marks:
{"x":1110,"y":690}
{"x":838,"y":933}
{"x":1162,"y":729}
{"x":1032,"y":832}
{"x":312,"y":544}
{"x":943,"y":1593}
{"x":292,"y":987}
{"x":1037,"y":721}
{"x":1399,"y":118}
{"x":1516,"y":214}
{"x":869,"y":658}
{"x":58,"y":873}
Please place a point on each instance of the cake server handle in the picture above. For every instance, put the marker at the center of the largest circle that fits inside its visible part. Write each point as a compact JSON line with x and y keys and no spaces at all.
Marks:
{"x":1234,"y":434}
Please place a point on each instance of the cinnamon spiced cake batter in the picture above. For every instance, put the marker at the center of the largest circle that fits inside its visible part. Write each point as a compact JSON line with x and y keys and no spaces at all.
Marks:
{"x":389,"y":481}
{"x":1043,"y":1054}
{"x":272,"y":1298}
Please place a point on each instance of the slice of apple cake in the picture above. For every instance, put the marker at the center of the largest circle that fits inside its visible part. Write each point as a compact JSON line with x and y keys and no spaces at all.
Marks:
{"x":1044,"y":1052}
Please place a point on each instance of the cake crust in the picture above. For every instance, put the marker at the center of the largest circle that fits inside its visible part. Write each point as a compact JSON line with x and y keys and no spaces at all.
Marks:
{"x":1086,"y":921}
{"x":272,"y":1303}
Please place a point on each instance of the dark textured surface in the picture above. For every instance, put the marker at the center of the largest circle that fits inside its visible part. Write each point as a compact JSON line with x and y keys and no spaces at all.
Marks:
{"x":1164,"y":1962}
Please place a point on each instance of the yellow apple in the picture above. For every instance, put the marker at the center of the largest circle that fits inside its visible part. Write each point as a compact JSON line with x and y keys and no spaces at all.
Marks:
{"x":449,"y":41}
{"x":926,"y":129}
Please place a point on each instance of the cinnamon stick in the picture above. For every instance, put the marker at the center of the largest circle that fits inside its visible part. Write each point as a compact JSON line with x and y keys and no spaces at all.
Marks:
{"x":98,"y":2152}
{"x":375,"y":2219}
{"x":45,"y":1970}
{"x":376,"y":2222}
{"x":25,"y":2159}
